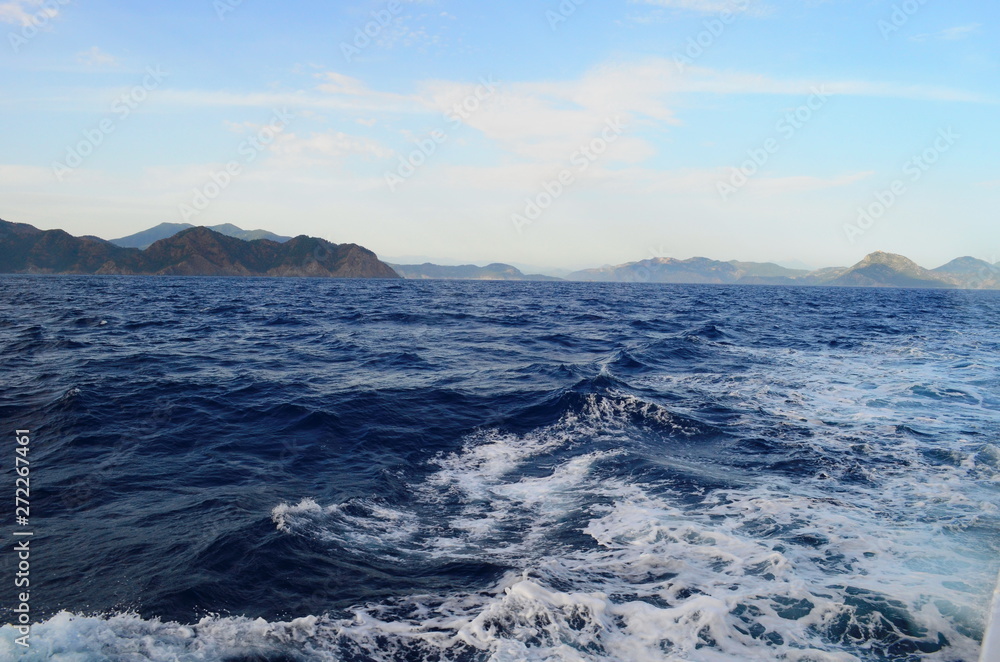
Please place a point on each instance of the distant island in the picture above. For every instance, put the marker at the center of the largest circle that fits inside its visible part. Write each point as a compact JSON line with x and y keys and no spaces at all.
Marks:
{"x":180,"y":249}
{"x":495,"y":271}
{"x":878,"y":269}
{"x":195,"y":251}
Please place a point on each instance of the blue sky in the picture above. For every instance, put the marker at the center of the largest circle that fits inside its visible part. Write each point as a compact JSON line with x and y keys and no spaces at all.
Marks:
{"x":591,"y":133}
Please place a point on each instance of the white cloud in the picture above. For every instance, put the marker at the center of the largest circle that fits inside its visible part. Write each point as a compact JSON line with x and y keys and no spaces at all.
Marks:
{"x":769,"y":186}
{"x":24,"y":178}
{"x":702,"y":182}
{"x":20,"y":176}
{"x":292,"y":150}
{"x":337,"y":83}
{"x":413,"y":29}
{"x":948,"y":34}
{"x":708,"y":6}
{"x":319,"y":147}
{"x":537,"y":126}
{"x":546,"y":121}
{"x":704,"y":6}
{"x":375,"y":102}
{"x":95,"y":57}
{"x":27,"y":12}
{"x":538,"y":122}
{"x":638,"y":88}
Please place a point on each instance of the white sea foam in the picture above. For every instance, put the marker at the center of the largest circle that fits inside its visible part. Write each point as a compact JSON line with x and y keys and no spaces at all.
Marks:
{"x":801,"y":570}
{"x":357,"y":524}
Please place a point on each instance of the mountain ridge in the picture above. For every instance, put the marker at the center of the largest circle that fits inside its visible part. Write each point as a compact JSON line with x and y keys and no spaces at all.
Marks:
{"x":206,"y":251}
{"x":494,"y":271}
{"x":877,"y":269}
{"x":147,"y":238}
{"x":971,"y":273}
{"x":196,"y":251}
{"x":692,"y":270}
{"x":881,"y":269}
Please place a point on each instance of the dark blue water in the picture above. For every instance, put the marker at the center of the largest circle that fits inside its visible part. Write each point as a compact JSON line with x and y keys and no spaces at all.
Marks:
{"x":237,"y":469}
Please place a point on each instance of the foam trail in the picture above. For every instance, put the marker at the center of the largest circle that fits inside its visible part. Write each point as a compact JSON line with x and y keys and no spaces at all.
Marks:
{"x":751,"y":572}
{"x":991,"y":642}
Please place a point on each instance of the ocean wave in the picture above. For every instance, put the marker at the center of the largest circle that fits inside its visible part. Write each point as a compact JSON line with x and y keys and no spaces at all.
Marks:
{"x":748,"y":573}
{"x":442,"y":473}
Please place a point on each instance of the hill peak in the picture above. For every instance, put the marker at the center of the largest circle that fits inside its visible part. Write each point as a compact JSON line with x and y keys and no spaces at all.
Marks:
{"x":889,"y":259}
{"x":148,"y":237}
{"x":195,"y":251}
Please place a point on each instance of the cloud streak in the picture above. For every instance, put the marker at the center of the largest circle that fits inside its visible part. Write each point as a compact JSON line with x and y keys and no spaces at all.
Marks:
{"x":949,"y":34}
{"x":26,"y":12}
{"x":642,"y":88}
{"x":700,"y":6}
{"x":95,"y":57}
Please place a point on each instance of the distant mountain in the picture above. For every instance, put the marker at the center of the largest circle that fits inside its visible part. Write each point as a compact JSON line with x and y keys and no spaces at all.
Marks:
{"x":494,"y":271}
{"x":821,"y":276}
{"x":878,"y":269}
{"x":970,"y":273}
{"x":200,"y":251}
{"x":231,"y":230}
{"x":146,"y":238}
{"x":888,"y":270}
{"x":195,"y":251}
{"x":767,"y":270}
{"x":798,"y":265}
{"x":26,"y":249}
{"x":693,"y":270}
{"x":554,"y":272}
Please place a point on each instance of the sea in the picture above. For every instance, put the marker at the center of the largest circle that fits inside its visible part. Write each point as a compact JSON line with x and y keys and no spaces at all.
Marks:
{"x":283,"y":470}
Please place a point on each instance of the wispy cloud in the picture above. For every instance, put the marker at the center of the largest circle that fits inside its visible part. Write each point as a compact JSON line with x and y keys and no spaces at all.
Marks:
{"x":95,"y":57}
{"x":22,"y":176}
{"x":645,"y":89}
{"x":420,"y":27}
{"x":803,"y":183}
{"x":315,"y":99}
{"x":664,"y":11}
{"x":701,"y":6}
{"x":701,"y":182}
{"x":26,"y":12}
{"x":948,"y":34}
{"x":317,"y":148}
{"x":728,"y":82}
{"x":538,"y":124}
